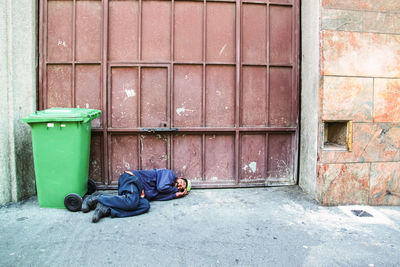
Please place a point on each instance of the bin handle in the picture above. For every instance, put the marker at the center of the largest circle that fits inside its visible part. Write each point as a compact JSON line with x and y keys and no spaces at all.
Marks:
{"x":91,"y":115}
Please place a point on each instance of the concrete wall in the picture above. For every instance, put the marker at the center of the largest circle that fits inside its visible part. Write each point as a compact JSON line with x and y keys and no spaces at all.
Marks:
{"x":17,"y":97}
{"x":360,"y":71}
{"x":310,"y":76}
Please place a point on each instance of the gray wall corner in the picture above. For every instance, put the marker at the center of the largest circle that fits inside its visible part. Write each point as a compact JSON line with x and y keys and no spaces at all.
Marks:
{"x":18,"y":79}
{"x":310,"y":83}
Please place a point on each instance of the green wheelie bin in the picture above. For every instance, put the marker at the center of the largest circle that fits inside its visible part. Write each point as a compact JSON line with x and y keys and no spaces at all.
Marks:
{"x":61,"y":150}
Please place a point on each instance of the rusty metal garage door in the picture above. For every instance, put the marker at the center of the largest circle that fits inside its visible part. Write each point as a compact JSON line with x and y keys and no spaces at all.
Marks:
{"x":207,"y":88}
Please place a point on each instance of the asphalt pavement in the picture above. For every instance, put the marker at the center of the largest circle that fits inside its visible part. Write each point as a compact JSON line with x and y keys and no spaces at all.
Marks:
{"x":276,"y":226}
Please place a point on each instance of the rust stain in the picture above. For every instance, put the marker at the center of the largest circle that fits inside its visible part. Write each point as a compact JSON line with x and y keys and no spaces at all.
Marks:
{"x":363,"y":5}
{"x":344,"y":183}
{"x":360,"y":54}
{"x":337,"y":45}
{"x":387,"y":102}
{"x":354,"y":41}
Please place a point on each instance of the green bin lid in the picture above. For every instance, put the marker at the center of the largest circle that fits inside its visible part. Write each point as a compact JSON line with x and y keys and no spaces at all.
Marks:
{"x":63,"y":114}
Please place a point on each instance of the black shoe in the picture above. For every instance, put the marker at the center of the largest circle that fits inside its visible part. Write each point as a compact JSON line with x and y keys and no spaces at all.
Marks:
{"x":89,"y":202}
{"x":100,"y":212}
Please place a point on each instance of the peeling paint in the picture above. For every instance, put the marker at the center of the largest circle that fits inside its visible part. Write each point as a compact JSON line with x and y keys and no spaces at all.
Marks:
{"x":222,"y":50}
{"x":129,"y":90}
{"x":181,"y":110}
{"x":283,"y":168}
{"x":252,"y":167}
{"x":62,"y":43}
{"x":130,"y":93}
{"x":141,"y":143}
{"x":127,"y":165}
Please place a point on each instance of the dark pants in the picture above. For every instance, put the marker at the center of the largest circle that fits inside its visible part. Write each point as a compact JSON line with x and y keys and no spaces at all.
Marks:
{"x":126,"y":203}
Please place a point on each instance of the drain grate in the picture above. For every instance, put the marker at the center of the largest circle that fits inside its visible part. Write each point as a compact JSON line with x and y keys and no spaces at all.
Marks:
{"x":361,"y":213}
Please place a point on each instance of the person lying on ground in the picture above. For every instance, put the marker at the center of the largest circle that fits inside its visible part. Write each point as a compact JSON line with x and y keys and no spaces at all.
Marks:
{"x":135,"y":190}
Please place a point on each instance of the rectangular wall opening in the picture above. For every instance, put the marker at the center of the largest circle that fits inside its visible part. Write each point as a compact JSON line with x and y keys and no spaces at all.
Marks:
{"x":337,"y":135}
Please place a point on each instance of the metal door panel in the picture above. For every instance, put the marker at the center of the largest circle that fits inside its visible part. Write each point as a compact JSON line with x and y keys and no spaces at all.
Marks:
{"x":252,"y":158}
{"x":187,"y":156}
{"x":123,"y":30}
{"x":188,"y":36}
{"x":207,"y":88}
{"x":59,"y":30}
{"x":88,"y":30}
{"x":220,"y":32}
{"x":280,"y":28}
{"x":96,"y":158}
{"x":154,"y":151}
{"x":188,"y":94}
{"x":219,"y":167}
{"x":154,"y":100}
{"x":220,"y":96}
{"x":254,"y":33}
{"x":282,"y":1}
{"x":124,"y":97}
{"x":123,"y":155}
{"x":280,"y":159}
{"x":280,"y":98}
{"x":87,"y":89}
{"x":254,"y":96}
{"x":59,"y":86}
{"x":254,"y":1}
{"x":156,"y":27}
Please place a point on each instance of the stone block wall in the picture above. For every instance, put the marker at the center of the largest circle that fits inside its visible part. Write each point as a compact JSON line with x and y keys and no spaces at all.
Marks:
{"x":360,"y":82}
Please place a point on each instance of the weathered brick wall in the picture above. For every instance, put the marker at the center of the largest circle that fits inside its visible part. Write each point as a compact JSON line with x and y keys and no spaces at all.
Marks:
{"x":360,"y":82}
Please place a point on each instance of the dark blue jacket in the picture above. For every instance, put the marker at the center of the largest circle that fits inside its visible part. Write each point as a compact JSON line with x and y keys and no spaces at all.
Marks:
{"x":158,"y":183}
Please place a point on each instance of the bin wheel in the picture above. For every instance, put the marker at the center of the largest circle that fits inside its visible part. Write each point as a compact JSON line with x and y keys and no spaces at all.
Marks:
{"x":73,"y":202}
{"x":91,"y":186}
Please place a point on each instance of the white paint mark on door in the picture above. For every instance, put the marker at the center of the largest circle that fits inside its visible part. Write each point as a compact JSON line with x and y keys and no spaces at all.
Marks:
{"x":62,"y":43}
{"x":222,"y":50}
{"x":252,"y":167}
{"x":129,"y":90}
{"x":182,"y":110}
